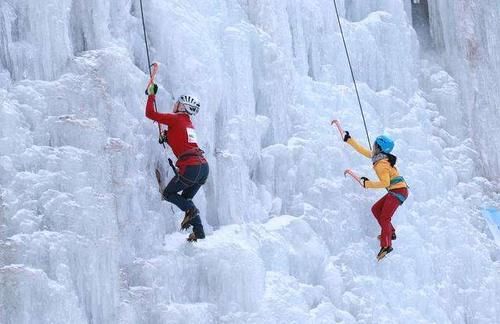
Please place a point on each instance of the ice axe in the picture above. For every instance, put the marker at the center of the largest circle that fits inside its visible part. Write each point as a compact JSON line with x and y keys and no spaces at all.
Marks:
{"x":341,"y":131}
{"x":353,"y":175}
{"x":153,"y":71}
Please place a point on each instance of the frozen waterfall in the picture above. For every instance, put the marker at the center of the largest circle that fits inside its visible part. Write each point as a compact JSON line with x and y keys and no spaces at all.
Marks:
{"x":85,"y":237}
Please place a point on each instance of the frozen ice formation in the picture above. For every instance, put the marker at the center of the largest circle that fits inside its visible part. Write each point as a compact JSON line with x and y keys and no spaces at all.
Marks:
{"x":85,"y":237}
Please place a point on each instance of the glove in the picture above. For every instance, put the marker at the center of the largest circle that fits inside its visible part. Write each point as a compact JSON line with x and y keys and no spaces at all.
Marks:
{"x":151,"y":90}
{"x":364,"y":179}
{"x":347,"y":136}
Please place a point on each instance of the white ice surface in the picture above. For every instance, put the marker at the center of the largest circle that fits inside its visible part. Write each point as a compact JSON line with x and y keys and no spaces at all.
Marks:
{"x":466,"y":34}
{"x":85,"y":238}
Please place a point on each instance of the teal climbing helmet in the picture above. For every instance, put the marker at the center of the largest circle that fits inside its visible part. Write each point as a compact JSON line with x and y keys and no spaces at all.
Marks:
{"x":385,"y":143}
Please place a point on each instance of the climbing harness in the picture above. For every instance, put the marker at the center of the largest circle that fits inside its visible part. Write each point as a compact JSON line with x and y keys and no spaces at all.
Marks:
{"x":352,"y":73}
{"x":399,"y":196}
{"x":195,"y":152}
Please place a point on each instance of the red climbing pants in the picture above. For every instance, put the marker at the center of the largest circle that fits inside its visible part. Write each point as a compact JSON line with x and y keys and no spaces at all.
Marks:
{"x":383,"y":211}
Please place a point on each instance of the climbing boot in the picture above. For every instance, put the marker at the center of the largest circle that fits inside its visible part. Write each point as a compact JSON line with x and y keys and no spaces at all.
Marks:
{"x":194,"y":237}
{"x":188,"y":217}
{"x":383,"y":252}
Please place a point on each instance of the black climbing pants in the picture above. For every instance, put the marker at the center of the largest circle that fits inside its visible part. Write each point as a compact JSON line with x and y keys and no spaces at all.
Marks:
{"x":189,"y":183}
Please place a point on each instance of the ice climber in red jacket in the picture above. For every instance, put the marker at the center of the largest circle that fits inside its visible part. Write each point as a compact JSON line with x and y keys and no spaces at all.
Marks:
{"x":191,"y":166}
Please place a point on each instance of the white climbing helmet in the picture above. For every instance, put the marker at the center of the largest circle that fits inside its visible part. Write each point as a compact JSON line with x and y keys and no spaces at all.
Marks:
{"x":191,"y":104}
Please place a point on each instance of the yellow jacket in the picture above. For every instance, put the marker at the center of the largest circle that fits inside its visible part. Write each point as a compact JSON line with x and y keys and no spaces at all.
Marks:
{"x":383,"y":169}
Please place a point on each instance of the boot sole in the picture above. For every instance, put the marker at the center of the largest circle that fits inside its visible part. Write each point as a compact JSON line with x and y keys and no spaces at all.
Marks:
{"x":193,"y":238}
{"x":383,"y":254}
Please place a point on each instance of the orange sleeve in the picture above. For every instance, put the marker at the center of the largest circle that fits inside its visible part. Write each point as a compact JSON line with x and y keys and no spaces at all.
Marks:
{"x":382,"y":169}
{"x":359,"y":148}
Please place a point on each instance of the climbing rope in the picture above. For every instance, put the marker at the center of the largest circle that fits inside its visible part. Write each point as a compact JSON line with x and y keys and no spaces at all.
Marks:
{"x":145,"y":38}
{"x":149,"y":66}
{"x":352,"y":73}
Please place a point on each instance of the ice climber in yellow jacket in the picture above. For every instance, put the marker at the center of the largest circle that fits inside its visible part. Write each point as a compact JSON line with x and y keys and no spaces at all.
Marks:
{"x":384,"y":164}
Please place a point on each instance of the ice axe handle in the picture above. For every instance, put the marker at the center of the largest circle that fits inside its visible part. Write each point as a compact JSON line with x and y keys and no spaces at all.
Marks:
{"x":353,"y":175}
{"x":337,"y":124}
{"x":154,"y":71}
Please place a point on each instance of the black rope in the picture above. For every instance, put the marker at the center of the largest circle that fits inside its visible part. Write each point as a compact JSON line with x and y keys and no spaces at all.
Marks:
{"x":145,"y":38}
{"x":352,"y":73}
{"x":149,"y":67}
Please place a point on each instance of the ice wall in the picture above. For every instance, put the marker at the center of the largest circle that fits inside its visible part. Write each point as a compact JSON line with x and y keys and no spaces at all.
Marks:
{"x":466,"y":35}
{"x":85,"y":238}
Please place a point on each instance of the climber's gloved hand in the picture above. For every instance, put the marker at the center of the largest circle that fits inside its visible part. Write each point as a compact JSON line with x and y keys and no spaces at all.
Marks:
{"x":364,"y":179}
{"x":152,"y":89}
{"x":347,"y":136}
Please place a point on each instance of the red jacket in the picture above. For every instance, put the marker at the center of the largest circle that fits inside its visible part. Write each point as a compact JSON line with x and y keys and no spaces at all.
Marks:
{"x":181,"y":135}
